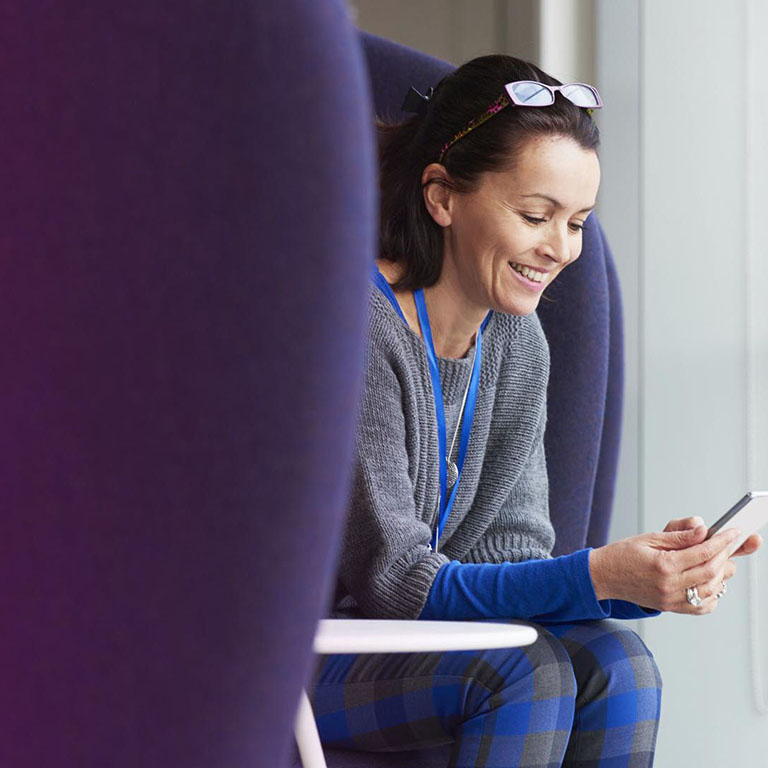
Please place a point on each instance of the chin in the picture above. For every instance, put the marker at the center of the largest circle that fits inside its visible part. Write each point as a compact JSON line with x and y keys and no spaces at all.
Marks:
{"x":518,"y":306}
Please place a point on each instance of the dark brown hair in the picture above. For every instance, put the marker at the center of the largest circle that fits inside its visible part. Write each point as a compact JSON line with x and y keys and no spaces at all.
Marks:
{"x":409,"y":235}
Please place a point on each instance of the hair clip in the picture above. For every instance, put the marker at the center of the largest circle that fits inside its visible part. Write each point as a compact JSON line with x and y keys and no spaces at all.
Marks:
{"x":415,"y":101}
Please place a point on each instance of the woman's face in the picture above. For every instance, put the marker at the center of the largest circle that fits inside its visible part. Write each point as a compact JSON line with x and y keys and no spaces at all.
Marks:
{"x":527,"y":218}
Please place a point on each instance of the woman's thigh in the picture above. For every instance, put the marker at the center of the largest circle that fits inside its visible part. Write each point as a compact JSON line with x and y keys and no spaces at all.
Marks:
{"x":618,"y":699}
{"x":518,"y":700}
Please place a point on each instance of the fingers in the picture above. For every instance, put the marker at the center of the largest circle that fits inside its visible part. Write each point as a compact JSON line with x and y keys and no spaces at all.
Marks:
{"x":713,"y":586}
{"x":706,"y":565}
{"x":703,"y":552}
{"x":709,"y":605}
{"x":709,"y":570}
{"x":708,"y":592}
{"x":683,"y":524}
{"x":751,"y":545}
{"x":681,"y":539}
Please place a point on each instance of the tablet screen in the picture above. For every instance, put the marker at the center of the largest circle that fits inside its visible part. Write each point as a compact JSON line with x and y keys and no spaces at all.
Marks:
{"x":749,"y":514}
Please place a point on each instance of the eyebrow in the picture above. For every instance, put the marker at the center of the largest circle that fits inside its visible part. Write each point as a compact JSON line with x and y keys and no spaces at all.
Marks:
{"x":557,"y":203}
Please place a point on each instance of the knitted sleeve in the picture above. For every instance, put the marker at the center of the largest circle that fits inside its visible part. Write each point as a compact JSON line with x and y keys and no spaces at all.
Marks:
{"x":386,"y":563}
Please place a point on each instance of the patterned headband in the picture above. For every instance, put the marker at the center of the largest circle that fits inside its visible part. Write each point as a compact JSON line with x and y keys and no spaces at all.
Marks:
{"x":497,"y":106}
{"x":531,"y":93}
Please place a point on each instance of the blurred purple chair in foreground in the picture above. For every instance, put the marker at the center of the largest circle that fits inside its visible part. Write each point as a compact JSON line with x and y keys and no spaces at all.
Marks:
{"x":187,"y":223}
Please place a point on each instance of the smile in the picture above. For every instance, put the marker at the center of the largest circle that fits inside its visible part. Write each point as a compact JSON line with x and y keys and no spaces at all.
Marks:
{"x":532,"y":279}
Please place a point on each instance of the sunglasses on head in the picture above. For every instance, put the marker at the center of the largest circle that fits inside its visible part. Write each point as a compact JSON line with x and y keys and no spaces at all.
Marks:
{"x":531,"y":93}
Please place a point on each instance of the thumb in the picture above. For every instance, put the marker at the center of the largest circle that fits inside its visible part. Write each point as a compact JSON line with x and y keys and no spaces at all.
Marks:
{"x":682,"y":539}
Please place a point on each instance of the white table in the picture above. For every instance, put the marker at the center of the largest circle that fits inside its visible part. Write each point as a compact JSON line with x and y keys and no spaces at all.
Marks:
{"x":386,"y":636}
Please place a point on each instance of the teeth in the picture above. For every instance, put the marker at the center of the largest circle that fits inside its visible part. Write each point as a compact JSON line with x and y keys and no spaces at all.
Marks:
{"x":531,"y":274}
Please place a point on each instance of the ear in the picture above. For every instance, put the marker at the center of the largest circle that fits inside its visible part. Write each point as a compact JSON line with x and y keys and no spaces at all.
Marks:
{"x":437,"y":198}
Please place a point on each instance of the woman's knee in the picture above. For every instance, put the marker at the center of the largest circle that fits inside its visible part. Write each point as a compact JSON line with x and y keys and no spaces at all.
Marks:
{"x":540,"y":674}
{"x":610,"y":659}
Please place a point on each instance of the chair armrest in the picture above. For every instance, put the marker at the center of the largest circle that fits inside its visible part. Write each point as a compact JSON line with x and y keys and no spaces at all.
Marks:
{"x":395,"y":636}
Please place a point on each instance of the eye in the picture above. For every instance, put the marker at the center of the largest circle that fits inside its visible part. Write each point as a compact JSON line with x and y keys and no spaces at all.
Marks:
{"x":533,"y":219}
{"x":576,"y":227}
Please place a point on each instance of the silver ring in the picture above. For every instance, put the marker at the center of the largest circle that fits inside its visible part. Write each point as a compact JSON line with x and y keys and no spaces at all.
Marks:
{"x":692,"y":596}
{"x":722,"y":591}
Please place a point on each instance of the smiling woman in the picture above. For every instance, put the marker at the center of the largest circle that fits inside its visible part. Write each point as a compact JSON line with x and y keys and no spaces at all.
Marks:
{"x":484,"y":196}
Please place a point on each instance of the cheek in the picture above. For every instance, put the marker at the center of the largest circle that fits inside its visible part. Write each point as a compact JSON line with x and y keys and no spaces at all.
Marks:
{"x":485,"y":241}
{"x":471,"y":232}
{"x":519,"y":240}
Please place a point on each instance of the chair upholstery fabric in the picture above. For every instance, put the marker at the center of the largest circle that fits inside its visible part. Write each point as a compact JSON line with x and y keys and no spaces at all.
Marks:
{"x":582,"y":319}
{"x":187,"y":223}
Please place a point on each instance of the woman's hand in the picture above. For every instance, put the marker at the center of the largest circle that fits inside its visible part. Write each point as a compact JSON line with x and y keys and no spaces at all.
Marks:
{"x":751,"y":545}
{"x":654,"y":569}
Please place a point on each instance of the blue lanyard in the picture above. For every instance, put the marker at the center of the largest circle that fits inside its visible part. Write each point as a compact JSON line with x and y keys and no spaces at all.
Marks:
{"x":445,"y":503}
{"x":386,"y":289}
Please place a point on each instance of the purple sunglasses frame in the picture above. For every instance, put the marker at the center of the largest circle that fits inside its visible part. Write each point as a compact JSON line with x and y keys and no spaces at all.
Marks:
{"x":509,"y":97}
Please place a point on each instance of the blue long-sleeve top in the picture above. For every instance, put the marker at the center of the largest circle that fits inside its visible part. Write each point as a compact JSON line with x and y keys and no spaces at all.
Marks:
{"x":559,"y":589}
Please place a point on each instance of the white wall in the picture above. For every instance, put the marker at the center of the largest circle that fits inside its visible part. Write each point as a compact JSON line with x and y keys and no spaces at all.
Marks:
{"x":684,"y":188}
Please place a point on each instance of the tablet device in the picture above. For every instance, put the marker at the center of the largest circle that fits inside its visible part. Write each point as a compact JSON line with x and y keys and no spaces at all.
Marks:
{"x":748,"y":514}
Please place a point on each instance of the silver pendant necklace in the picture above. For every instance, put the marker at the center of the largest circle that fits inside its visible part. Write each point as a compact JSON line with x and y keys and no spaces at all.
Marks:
{"x":451,"y":469}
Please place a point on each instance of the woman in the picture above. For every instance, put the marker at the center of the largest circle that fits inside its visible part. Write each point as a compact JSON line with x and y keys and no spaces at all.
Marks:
{"x":484,"y":196}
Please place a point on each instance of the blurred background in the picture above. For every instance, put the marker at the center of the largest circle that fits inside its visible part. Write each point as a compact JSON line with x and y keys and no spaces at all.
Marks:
{"x":684,"y":190}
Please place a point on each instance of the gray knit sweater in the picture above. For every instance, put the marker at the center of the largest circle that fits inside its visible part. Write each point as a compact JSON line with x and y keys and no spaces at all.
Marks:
{"x":501,"y":509}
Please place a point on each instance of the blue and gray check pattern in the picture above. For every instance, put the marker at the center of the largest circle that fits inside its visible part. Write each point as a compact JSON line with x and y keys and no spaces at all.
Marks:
{"x":584,"y":694}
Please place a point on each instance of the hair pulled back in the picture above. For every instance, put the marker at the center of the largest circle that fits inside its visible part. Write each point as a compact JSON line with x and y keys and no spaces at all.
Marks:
{"x":409,"y":235}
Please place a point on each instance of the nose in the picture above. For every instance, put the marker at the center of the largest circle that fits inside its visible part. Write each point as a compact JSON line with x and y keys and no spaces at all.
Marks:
{"x":555,"y":245}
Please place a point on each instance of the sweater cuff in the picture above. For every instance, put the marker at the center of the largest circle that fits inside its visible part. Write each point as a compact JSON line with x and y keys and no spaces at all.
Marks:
{"x":623,"y":609}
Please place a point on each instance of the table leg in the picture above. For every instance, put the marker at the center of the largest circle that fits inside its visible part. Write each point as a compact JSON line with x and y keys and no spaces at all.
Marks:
{"x":307,"y":737}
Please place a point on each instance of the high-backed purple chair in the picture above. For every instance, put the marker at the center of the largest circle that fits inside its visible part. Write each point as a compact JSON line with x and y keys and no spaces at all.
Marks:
{"x":582,"y":319}
{"x":187,"y":223}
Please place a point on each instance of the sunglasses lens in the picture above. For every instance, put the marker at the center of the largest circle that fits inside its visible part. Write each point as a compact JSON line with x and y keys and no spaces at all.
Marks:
{"x":580,"y":95}
{"x":532,"y":94}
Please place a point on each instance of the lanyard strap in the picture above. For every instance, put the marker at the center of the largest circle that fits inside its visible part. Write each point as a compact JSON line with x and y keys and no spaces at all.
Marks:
{"x":445,"y":503}
{"x":386,"y":289}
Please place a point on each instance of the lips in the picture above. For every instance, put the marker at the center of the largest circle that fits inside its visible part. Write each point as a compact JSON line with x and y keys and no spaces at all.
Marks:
{"x":527,"y":269}
{"x":532,"y":285}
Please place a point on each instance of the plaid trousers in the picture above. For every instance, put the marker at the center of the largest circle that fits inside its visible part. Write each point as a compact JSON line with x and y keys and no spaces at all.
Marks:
{"x":584,"y":694}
